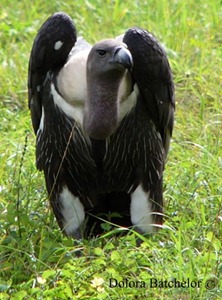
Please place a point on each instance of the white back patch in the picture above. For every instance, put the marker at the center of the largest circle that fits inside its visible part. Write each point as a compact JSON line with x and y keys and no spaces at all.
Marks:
{"x":71,"y":83}
{"x":58,"y":45}
{"x":71,"y":79}
{"x":72,"y":211}
{"x":74,"y":112}
{"x":140,"y":210}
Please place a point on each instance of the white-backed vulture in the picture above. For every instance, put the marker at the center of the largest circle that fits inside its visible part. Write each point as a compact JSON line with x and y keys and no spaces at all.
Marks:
{"x":103,"y":118}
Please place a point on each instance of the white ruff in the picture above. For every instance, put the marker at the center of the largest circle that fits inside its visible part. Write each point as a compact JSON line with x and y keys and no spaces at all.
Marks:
{"x":127,"y":100}
{"x":140,"y":210}
{"x":72,"y":211}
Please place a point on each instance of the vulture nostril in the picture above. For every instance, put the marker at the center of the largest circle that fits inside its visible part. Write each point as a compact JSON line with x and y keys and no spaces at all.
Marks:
{"x":123,"y":57}
{"x":117,"y":50}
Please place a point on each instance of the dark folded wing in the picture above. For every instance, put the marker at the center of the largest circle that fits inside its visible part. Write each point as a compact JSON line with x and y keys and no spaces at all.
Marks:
{"x":50,"y":50}
{"x":152,"y":73}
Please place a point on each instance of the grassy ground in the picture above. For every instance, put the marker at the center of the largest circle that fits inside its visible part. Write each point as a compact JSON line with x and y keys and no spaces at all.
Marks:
{"x":36,"y":261}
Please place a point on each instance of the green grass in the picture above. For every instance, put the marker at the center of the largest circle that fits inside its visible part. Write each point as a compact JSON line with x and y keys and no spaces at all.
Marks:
{"x":36,"y":260}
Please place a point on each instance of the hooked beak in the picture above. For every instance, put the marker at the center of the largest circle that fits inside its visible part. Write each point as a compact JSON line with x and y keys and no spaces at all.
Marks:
{"x":123,"y":57}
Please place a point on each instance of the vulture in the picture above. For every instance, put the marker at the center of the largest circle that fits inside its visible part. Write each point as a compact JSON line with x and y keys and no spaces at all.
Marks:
{"x":103,"y":117}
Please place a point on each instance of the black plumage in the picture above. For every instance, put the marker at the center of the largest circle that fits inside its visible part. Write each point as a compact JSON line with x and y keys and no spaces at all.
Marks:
{"x":103,"y":117}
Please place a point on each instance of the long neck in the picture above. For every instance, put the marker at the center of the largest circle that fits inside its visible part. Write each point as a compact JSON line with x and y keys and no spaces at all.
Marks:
{"x":101,"y":108}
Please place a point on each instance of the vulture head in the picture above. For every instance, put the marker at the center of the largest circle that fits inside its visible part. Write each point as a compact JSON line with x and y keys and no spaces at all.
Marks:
{"x":107,"y":63}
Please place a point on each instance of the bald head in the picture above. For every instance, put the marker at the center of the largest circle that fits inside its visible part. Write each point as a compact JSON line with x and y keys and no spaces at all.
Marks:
{"x":108,"y":56}
{"x":107,"y":64}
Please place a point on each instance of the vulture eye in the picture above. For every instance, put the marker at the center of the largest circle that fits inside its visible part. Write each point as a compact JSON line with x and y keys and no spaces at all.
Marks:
{"x":101,"y":52}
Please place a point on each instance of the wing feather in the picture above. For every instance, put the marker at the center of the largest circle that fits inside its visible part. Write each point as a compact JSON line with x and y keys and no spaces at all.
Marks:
{"x":50,"y":50}
{"x":152,"y":73}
